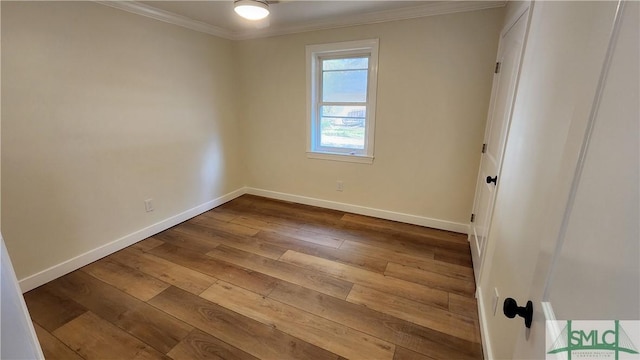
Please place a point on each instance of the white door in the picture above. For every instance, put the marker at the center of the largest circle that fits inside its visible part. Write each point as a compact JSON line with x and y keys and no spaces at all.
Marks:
{"x":594,"y":273}
{"x":565,"y":228}
{"x":504,"y":82}
{"x":18,"y":339}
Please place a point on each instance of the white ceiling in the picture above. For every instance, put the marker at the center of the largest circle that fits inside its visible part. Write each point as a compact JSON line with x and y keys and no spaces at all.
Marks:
{"x":291,"y":16}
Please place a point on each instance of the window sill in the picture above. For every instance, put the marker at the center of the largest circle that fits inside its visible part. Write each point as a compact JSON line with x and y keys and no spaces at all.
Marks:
{"x":361,"y":159}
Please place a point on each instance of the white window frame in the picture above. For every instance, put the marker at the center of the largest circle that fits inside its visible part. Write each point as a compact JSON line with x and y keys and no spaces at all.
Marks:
{"x":314,"y":53}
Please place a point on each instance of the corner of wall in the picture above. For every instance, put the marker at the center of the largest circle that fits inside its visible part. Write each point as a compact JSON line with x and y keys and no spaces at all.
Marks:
{"x":58,"y":270}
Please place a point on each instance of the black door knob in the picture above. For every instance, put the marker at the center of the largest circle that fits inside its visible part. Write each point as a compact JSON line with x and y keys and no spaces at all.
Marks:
{"x":511,"y":309}
{"x":493,"y":180}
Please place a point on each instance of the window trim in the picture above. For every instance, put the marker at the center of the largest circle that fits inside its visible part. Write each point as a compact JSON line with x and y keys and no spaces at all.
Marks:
{"x":314,"y":53}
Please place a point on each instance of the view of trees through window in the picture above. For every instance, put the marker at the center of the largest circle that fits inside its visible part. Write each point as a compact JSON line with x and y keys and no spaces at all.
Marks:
{"x":343,"y":102}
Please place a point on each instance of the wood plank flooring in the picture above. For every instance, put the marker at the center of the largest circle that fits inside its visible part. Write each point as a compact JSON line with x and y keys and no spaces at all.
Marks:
{"x":263,"y":279}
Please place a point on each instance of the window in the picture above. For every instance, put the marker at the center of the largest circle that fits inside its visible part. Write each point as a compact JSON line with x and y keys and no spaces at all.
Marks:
{"x":341,"y":95}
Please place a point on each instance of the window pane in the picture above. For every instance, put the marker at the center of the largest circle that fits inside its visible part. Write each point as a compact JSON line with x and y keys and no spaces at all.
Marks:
{"x":346,"y":64}
{"x":344,"y":111}
{"x":342,"y":126}
{"x":344,"y":86}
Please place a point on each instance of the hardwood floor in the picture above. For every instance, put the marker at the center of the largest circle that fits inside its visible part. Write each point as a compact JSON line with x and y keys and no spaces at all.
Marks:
{"x":263,"y":279}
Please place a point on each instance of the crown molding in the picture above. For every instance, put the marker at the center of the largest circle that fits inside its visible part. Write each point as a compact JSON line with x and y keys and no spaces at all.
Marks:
{"x":168,"y":17}
{"x":431,"y":9}
{"x":436,"y":8}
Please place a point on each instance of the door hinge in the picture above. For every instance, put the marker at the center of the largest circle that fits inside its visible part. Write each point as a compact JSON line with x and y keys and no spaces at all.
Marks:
{"x":484,"y":148}
{"x":473,"y":217}
{"x":498,"y":65}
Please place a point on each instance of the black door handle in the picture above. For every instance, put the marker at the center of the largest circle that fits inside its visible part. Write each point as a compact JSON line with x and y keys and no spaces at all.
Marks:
{"x":511,"y":309}
{"x":493,"y":180}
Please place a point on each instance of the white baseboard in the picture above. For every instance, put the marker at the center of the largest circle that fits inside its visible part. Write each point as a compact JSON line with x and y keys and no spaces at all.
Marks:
{"x":484,"y":330}
{"x":56,"y":271}
{"x":362,"y":210}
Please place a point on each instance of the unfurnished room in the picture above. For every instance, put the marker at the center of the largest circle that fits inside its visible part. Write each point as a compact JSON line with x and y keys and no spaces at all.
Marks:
{"x":295,"y":179}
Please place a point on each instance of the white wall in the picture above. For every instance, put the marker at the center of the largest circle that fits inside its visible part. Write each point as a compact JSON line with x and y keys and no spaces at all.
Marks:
{"x":563,"y":57}
{"x":103,"y":109}
{"x":18,"y":339}
{"x":434,"y":83}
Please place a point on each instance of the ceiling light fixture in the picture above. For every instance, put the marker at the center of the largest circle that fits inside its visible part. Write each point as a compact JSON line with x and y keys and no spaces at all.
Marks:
{"x":251,"y":9}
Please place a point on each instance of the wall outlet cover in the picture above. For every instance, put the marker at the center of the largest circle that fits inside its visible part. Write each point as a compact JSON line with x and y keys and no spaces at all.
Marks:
{"x":148,"y":205}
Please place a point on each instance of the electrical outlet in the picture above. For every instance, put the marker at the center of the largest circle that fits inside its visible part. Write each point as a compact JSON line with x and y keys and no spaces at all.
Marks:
{"x":148,"y":205}
{"x":496,"y":300}
{"x":339,"y":185}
